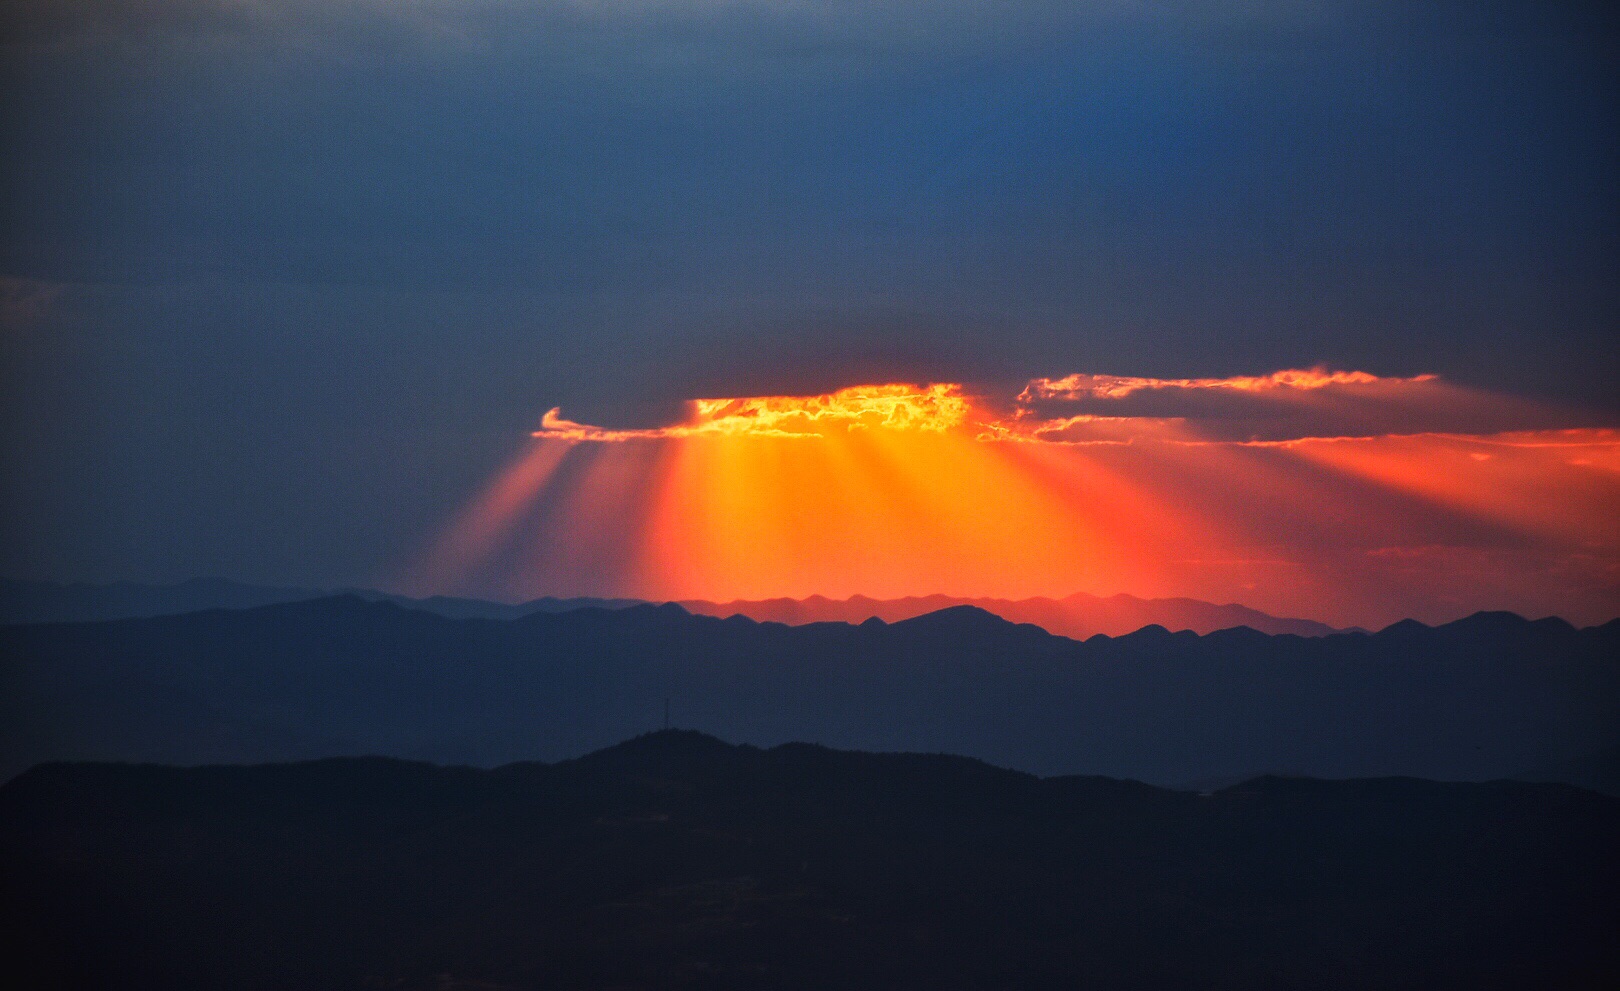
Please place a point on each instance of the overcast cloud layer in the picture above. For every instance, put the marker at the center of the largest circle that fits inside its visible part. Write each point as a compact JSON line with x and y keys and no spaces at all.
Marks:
{"x":283,"y":281}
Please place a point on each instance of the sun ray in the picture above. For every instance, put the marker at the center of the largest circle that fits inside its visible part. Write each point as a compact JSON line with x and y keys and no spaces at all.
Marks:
{"x":478,"y":531}
{"x":1319,"y":493}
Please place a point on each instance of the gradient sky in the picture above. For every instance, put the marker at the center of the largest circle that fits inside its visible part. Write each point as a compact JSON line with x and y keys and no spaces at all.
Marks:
{"x":286,"y":284}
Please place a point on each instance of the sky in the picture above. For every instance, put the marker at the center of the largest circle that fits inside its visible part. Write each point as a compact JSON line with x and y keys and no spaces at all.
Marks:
{"x":287,"y":287}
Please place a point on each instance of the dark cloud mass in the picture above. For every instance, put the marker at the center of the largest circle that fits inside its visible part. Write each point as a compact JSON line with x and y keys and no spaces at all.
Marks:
{"x":285,"y":279}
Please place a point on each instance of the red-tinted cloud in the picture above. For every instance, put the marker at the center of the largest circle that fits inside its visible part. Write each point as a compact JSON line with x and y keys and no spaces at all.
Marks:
{"x":1345,"y":497}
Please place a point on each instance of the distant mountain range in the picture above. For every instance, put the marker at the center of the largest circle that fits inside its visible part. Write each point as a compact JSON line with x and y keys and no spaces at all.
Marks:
{"x":677,"y":861}
{"x":1490,"y":696}
{"x":52,"y":602}
{"x":1078,"y":616}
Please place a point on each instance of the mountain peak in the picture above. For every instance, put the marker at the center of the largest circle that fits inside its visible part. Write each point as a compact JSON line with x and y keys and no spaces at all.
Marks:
{"x":1490,"y":619}
{"x":675,"y":753}
{"x":1405,"y":628}
{"x":1502,"y":624}
{"x":666,"y":741}
{"x":956,"y":620}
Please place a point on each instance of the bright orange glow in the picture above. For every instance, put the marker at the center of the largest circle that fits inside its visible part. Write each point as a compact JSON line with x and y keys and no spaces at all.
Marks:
{"x":884,"y":407}
{"x":1338,"y":496}
{"x":1541,"y":484}
{"x":1079,"y":386}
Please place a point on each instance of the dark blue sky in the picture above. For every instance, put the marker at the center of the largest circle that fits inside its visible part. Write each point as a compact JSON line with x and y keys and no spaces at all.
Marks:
{"x":285,"y":280}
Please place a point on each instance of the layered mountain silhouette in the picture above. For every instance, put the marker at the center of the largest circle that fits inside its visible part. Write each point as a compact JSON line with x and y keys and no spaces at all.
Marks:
{"x":1079,"y":616}
{"x":678,"y":861}
{"x":52,"y":602}
{"x":1490,"y":696}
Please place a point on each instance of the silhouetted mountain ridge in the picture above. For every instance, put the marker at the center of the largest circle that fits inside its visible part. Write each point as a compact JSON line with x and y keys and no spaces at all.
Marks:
{"x":52,"y":602}
{"x":1078,"y":616}
{"x":1488,"y":696}
{"x":675,"y":860}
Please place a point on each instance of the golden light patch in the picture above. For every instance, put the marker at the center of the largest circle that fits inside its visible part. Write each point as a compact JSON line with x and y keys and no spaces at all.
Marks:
{"x":937,"y":407}
{"x":899,"y":489}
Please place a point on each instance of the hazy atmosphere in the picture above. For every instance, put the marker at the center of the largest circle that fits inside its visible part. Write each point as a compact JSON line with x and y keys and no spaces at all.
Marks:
{"x":288,"y":284}
{"x":776,"y":495}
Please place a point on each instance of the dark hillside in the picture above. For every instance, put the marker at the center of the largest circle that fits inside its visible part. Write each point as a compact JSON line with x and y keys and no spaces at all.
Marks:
{"x":676,"y":861}
{"x":1486,"y":697}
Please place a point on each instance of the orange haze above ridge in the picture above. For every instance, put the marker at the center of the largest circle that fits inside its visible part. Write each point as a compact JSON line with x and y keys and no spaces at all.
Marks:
{"x":1340,"y":496}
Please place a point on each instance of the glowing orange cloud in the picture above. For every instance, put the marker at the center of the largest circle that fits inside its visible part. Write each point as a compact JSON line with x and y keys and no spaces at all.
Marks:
{"x":1340,"y":496}
{"x":889,"y":407}
{"x":1079,"y":386}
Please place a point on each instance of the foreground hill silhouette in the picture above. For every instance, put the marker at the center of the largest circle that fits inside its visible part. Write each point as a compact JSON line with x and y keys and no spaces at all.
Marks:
{"x":1077,"y":616}
{"x":1491,"y":696}
{"x":677,"y":861}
